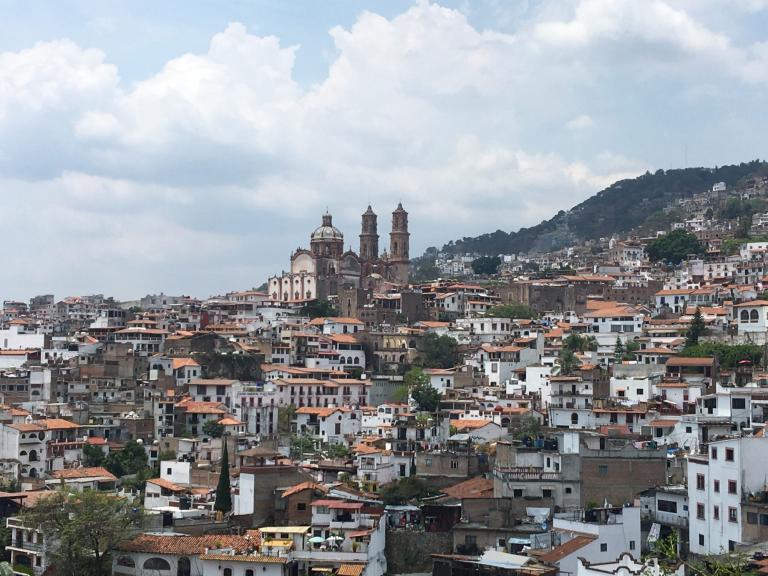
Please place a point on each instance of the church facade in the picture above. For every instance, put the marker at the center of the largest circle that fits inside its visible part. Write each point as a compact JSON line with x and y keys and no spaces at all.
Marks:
{"x":325,"y":267}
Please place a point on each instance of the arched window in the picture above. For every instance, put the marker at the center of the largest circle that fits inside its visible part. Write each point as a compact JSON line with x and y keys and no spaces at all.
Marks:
{"x":357,"y":360}
{"x":753,"y":316}
{"x":744,"y":316}
{"x":184,"y":567}
{"x":156,"y":564}
{"x":296,"y":295}
{"x":33,"y":455}
{"x":227,"y":572}
{"x":249,"y":572}
{"x":285,"y":296}
{"x":574,"y":418}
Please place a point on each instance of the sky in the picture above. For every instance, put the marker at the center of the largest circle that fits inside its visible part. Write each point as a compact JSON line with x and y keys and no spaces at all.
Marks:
{"x":190,"y":146}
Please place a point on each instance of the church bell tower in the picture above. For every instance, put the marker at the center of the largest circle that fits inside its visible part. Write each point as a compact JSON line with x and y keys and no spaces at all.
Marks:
{"x":369,"y":237}
{"x":399,"y":245}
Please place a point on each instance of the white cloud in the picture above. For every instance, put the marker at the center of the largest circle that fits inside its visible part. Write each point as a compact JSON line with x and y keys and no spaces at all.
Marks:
{"x":222,"y":157}
{"x":580,"y":122}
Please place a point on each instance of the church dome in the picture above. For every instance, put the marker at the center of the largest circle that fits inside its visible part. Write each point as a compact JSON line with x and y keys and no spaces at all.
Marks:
{"x":327,"y":231}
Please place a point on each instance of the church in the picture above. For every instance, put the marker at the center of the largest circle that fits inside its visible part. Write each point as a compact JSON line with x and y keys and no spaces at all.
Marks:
{"x":322,"y":270}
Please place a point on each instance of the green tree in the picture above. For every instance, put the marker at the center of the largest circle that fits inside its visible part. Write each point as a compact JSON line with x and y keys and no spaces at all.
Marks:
{"x":84,"y":529}
{"x":526,"y":427}
{"x":514,"y":311}
{"x":223,"y":502}
{"x":728,"y":356}
{"x":93,"y":456}
{"x":405,"y":490}
{"x":129,"y":460}
{"x":335,"y":451}
{"x":618,"y":350}
{"x":213,"y":429}
{"x":568,"y":362}
{"x":577,"y":343}
{"x":427,"y":397}
{"x":674,"y":247}
{"x":285,"y":415}
{"x":696,"y":329}
{"x":319,"y":309}
{"x":301,"y":446}
{"x":630,"y":348}
{"x":166,"y":455}
{"x":669,"y":559}
{"x":438,"y":351}
{"x":486,"y":265}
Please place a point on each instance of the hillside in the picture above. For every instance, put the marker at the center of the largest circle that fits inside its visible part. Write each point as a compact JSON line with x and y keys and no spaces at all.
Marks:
{"x":624,"y":206}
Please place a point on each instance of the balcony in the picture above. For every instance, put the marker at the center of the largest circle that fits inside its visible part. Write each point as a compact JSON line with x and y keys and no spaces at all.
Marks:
{"x":524,"y":473}
{"x":345,"y":523}
{"x":330,"y":556}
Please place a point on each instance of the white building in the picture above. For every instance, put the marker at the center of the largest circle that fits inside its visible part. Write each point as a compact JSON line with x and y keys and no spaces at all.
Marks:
{"x":717,"y":484}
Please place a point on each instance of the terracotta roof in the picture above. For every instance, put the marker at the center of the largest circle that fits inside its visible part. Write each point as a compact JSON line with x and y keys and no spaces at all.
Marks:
{"x":471,"y":423}
{"x":752,"y":303}
{"x":254,"y":558}
{"x":350,"y":570}
{"x":478,"y":487}
{"x":560,"y":552}
{"x":58,"y":424}
{"x":177,"y":363}
{"x":201,"y":407}
{"x":304,"y":486}
{"x":662,"y":423}
{"x":73,"y":473}
{"x":324,"y":412}
{"x":691,"y":361}
{"x":167,"y":484}
{"x":229,"y":421}
{"x":185,"y":545}
{"x":27,"y":427}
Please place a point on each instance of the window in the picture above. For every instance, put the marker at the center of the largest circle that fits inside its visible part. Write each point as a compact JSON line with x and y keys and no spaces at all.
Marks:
{"x":604,"y":547}
{"x":717,"y":485}
{"x":249,"y":572}
{"x":666,"y":506}
{"x":733,"y":515}
{"x":751,"y":518}
{"x":470,"y":540}
{"x":602,"y":470}
{"x":227,"y":572}
{"x":517,"y":493}
{"x":729,"y":454}
{"x":454,"y":464}
{"x":700,"y":511}
{"x":701,"y":539}
{"x":546,"y":493}
{"x":156,"y":564}
{"x":738,"y":403}
{"x":568,"y":489}
{"x":732,"y":487}
{"x":716,"y":512}
{"x":699,"y":481}
{"x":631,"y":544}
{"x":574,"y":418}
{"x":714,"y":453}
{"x":184,"y":567}
{"x":688,"y":430}
{"x":428,"y":461}
{"x":301,"y":506}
